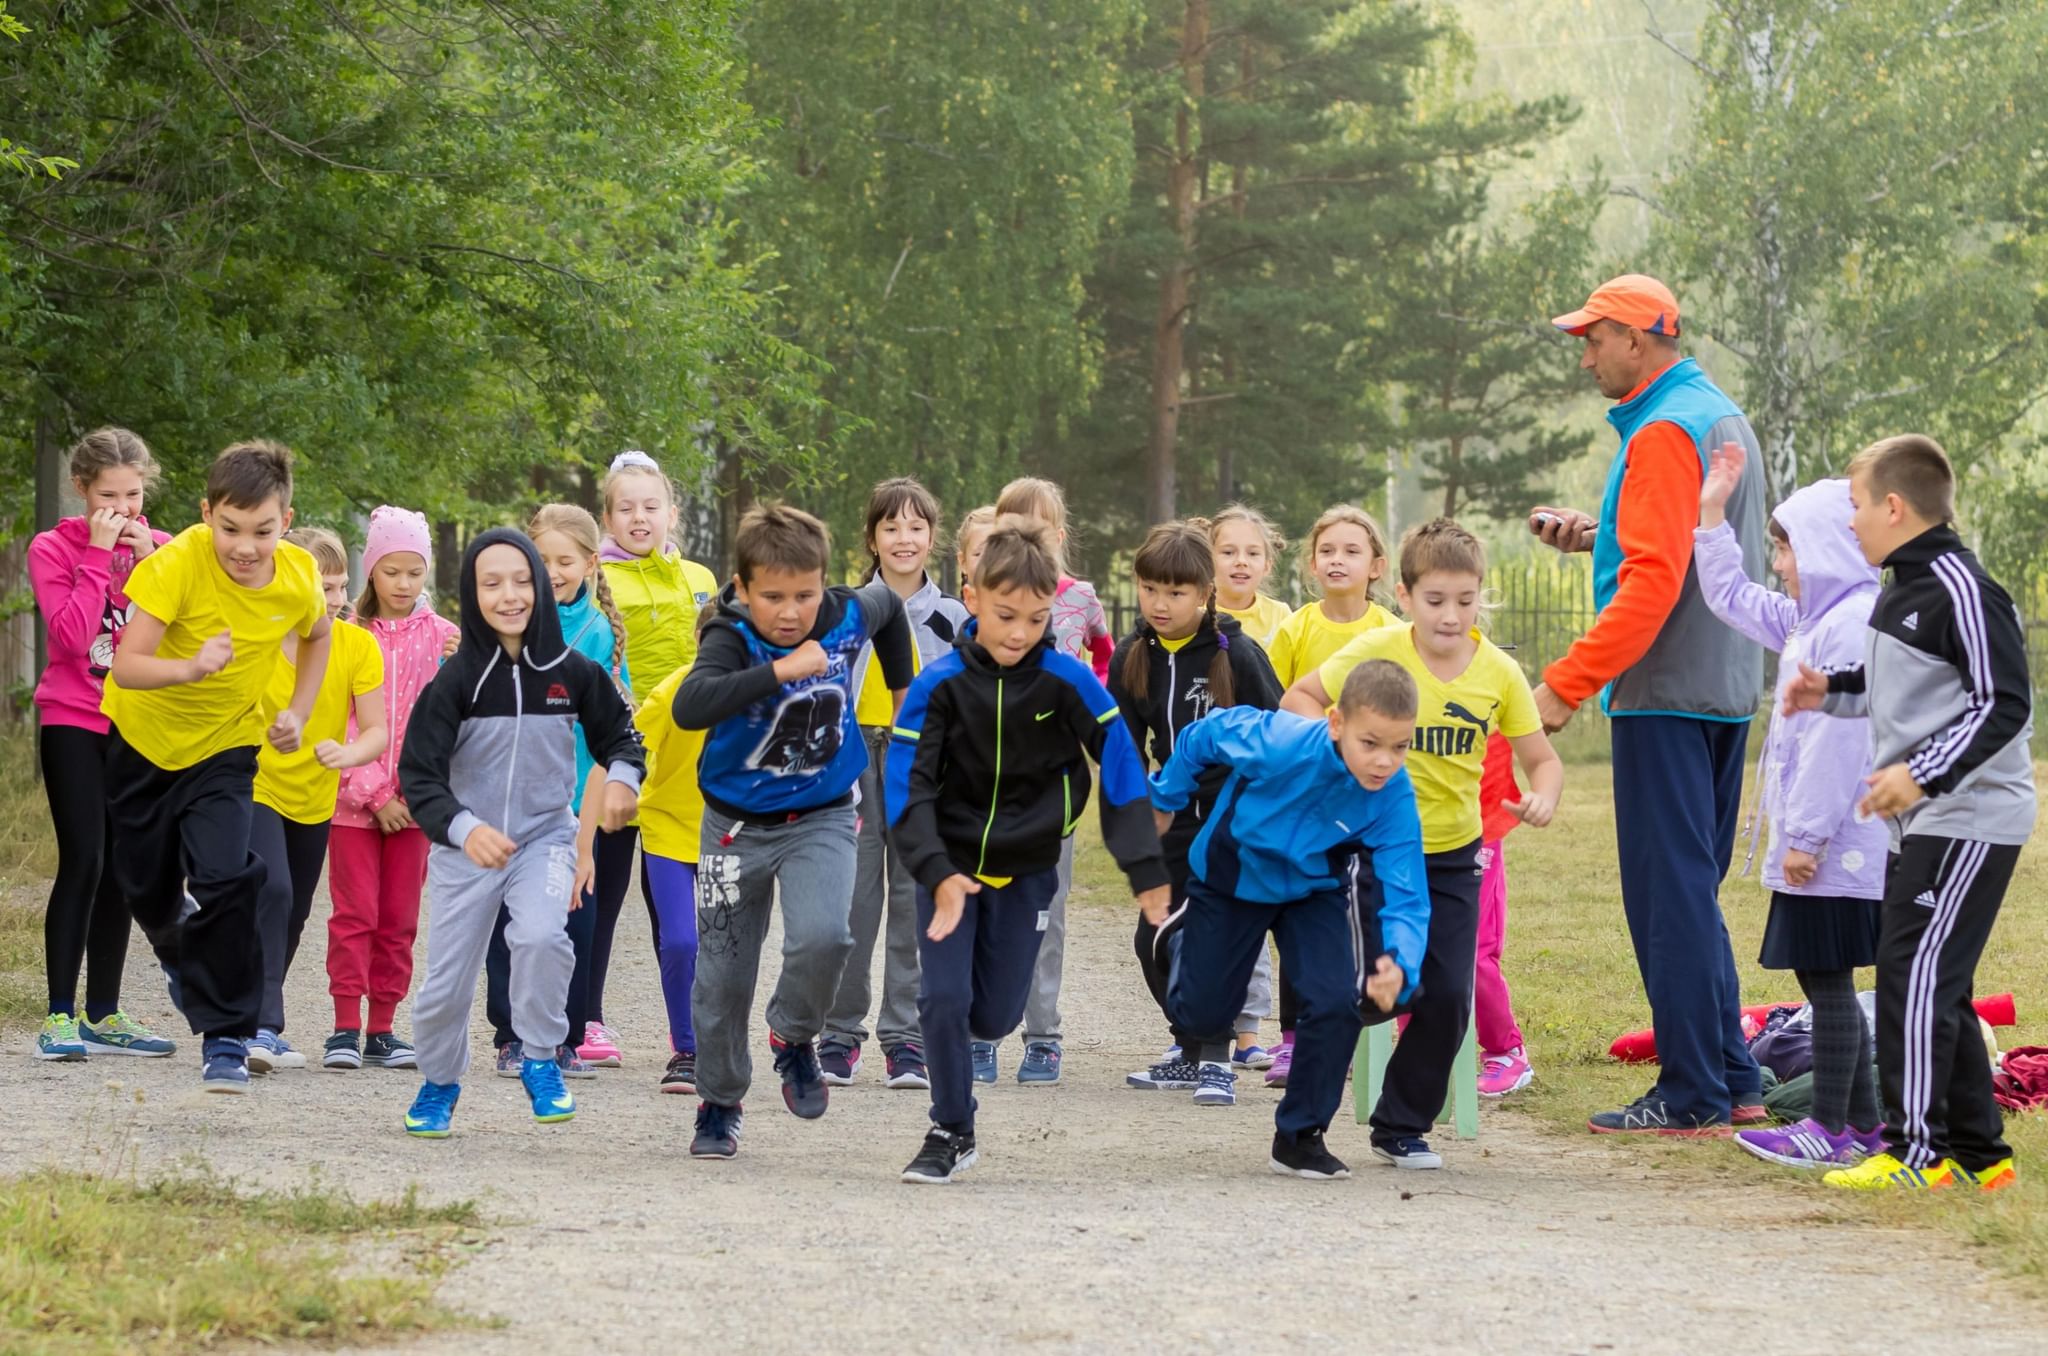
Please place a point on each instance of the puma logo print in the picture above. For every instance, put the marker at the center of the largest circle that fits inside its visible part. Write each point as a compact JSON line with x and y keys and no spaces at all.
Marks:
{"x":1453,"y":741}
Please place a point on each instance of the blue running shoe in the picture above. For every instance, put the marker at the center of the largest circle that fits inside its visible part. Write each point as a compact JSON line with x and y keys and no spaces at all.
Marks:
{"x":803,"y":1082}
{"x":59,"y":1038}
{"x":984,"y":1053}
{"x":227,"y":1065}
{"x":432,"y":1111}
{"x":120,"y":1034}
{"x":542,"y":1079}
{"x":1041,"y":1062}
{"x":1411,"y":1152}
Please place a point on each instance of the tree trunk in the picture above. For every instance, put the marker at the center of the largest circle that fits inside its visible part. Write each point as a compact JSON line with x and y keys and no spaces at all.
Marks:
{"x":1161,"y":488}
{"x":1226,"y":455}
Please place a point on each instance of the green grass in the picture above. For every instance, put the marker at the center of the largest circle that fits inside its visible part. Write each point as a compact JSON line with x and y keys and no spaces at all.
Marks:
{"x":93,"y":1264}
{"x":1575,"y":987}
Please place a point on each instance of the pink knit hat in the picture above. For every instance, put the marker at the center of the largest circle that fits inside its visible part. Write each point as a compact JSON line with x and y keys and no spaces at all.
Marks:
{"x":396,"y":529}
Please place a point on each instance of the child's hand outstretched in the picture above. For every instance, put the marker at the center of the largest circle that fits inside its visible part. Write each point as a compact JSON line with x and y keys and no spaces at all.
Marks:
{"x":284,"y":731}
{"x":1806,"y":692}
{"x":949,"y":901}
{"x":1724,"y":470}
{"x":1383,"y":985}
{"x":1534,"y":808}
{"x":1156,"y":903}
{"x":331,"y":755}
{"x":621,"y":803}
{"x":488,"y":848}
{"x":216,"y":654}
{"x":1892,"y":792}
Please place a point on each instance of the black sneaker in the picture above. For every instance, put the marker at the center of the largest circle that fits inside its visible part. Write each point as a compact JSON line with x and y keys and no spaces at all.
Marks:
{"x":944,"y":1156}
{"x":718,"y":1131}
{"x":343,"y":1051}
{"x":681,"y":1075}
{"x":1304,"y":1155}
{"x":1650,"y":1114}
{"x":389,"y":1051}
{"x":803,"y":1085}
{"x":837,"y":1059}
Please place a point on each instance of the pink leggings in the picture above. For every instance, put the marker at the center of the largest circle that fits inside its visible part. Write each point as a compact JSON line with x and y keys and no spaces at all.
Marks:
{"x":1491,"y":1007}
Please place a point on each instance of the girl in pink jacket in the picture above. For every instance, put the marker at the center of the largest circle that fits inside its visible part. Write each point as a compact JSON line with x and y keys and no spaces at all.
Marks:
{"x":78,"y":569}
{"x":377,"y":856}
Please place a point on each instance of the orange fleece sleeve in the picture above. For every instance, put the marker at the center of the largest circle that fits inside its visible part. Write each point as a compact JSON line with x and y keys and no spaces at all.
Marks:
{"x":1660,"y":506}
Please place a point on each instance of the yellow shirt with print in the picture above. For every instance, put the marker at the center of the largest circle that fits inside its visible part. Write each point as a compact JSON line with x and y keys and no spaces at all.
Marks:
{"x":876,"y":708}
{"x":1452,"y":720}
{"x":182,"y":585}
{"x":671,"y":806}
{"x":1262,"y":620}
{"x":1309,"y":637}
{"x":294,"y":784}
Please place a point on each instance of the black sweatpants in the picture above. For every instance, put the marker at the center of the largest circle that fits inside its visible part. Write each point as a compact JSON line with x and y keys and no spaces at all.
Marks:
{"x":293,"y":855}
{"x":189,"y":831}
{"x":1941,"y":897}
{"x":87,"y":918}
{"x":1419,"y":1074}
{"x":973,"y":983}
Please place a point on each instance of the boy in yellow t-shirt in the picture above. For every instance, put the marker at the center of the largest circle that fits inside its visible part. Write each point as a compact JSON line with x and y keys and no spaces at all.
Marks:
{"x":1467,"y":688}
{"x":184,"y":699}
{"x":296,"y":792}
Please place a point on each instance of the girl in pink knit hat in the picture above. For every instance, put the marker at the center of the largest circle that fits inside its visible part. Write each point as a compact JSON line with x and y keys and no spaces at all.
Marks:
{"x":377,"y":856}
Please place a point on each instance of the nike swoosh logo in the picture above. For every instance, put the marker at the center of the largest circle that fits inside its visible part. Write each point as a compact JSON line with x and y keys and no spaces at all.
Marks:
{"x":1043,"y":715}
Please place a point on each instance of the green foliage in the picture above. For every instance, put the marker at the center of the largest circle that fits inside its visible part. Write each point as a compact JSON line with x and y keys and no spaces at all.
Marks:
{"x":439,"y":249}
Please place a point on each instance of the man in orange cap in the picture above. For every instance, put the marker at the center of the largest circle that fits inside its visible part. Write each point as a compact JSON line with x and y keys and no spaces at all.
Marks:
{"x":1680,"y":689}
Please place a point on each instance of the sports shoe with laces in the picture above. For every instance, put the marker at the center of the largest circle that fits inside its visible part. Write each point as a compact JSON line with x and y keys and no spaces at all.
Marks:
{"x":984,"y":1056}
{"x":837,"y":1060}
{"x":945,"y":1155}
{"x":59,"y":1039}
{"x":718,"y":1131}
{"x":1649,"y":1114}
{"x":1883,"y":1172}
{"x":432,"y":1111}
{"x":1500,"y":1075}
{"x":1304,"y":1155}
{"x":1041,"y":1063}
{"x":1168,"y":1075}
{"x":681,"y":1074}
{"x":571,"y":1064}
{"x":600,"y":1047}
{"x":389,"y":1050}
{"x":343,"y":1050}
{"x":1410,"y":1151}
{"x":1217,"y":1085}
{"x":1809,"y":1144}
{"x":120,"y":1034}
{"x":803,"y":1087}
{"x":227,"y":1065}
{"x":906,"y":1066}
{"x":1997,"y":1177}
{"x":1283,"y":1061}
{"x":542,"y":1079}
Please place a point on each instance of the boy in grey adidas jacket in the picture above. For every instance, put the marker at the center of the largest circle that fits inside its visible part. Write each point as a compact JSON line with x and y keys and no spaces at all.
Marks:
{"x":1946,"y":689}
{"x":488,"y":770}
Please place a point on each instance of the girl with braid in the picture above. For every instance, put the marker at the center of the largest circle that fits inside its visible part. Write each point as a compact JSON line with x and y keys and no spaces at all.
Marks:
{"x":1183,"y":661}
{"x":567,"y":538}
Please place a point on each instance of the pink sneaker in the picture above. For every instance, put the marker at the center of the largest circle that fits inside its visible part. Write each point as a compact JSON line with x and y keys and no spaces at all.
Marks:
{"x":1283,"y":1061}
{"x":600,"y":1046}
{"x":1500,"y":1075}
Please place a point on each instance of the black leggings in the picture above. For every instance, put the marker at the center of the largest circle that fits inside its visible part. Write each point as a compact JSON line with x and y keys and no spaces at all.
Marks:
{"x":87,"y":918}
{"x":1843,"y":1089}
{"x":293,"y":856}
{"x":614,"y":853}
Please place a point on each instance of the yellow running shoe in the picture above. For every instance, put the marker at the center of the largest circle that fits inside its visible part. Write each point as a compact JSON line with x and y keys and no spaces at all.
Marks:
{"x":1997,"y":1177}
{"x":1883,"y":1172}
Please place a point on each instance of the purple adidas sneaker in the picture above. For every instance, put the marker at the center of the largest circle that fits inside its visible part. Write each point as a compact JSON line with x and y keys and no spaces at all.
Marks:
{"x":1809,"y":1144}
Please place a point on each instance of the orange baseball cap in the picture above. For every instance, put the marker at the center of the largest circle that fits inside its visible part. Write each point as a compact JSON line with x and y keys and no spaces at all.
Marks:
{"x":1633,"y":299}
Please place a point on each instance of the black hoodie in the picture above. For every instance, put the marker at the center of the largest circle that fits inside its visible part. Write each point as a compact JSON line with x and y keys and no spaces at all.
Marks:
{"x":493,"y":739}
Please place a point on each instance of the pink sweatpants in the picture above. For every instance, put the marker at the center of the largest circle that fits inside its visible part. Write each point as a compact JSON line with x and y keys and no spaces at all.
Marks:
{"x":1491,"y":1007}
{"x":375,"y":879}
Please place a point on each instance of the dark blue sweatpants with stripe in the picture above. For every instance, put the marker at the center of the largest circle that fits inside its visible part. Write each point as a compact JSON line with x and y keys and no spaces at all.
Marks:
{"x":975,"y":981}
{"x":1677,"y":797}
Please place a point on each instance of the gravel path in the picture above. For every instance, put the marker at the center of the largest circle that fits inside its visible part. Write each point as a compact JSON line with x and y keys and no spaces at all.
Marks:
{"x":1098,"y":1219}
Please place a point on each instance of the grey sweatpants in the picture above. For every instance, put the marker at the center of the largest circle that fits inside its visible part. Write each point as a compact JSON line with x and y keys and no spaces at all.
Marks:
{"x":462,"y":908}
{"x":737,"y":874}
{"x":1042,"y":1012}
{"x":881,"y":888}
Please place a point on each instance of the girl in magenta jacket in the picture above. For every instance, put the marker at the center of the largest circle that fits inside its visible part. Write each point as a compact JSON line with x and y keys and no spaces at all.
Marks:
{"x":376,"y":855}
{"x":78,"y":569}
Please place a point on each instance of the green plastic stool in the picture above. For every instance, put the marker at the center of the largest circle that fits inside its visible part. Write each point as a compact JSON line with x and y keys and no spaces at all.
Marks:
{"x":1369,"y":1072}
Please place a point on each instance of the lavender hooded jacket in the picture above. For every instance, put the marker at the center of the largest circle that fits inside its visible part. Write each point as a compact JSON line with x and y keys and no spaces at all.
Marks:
{"x":1812,"y":767}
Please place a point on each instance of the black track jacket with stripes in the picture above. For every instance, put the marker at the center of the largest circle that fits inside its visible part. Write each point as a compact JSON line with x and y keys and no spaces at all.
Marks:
{"x":1945,"y":685}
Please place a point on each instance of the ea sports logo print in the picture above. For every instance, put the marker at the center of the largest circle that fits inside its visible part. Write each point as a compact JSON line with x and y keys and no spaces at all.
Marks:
{"x":1457,"y":739}
{"x":558,"y":695}
{"x":805,"y":735}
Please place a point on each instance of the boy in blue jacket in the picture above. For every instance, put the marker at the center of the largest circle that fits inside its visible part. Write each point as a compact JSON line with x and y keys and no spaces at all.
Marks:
{"x":1280,"y":854}
{"x":987,"y":776}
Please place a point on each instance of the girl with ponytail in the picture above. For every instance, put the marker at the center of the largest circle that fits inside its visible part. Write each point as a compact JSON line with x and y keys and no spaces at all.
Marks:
{"x":1184,"y":660}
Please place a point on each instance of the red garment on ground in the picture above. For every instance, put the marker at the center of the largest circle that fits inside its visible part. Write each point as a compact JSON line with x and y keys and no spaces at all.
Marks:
{"x":2021,"y":1083}
{"x":1640,"y":1047}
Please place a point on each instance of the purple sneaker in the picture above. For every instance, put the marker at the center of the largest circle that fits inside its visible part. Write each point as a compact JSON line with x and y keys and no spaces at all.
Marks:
{"x":1283,"y":1061}
{"x":1808,"y":1144}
